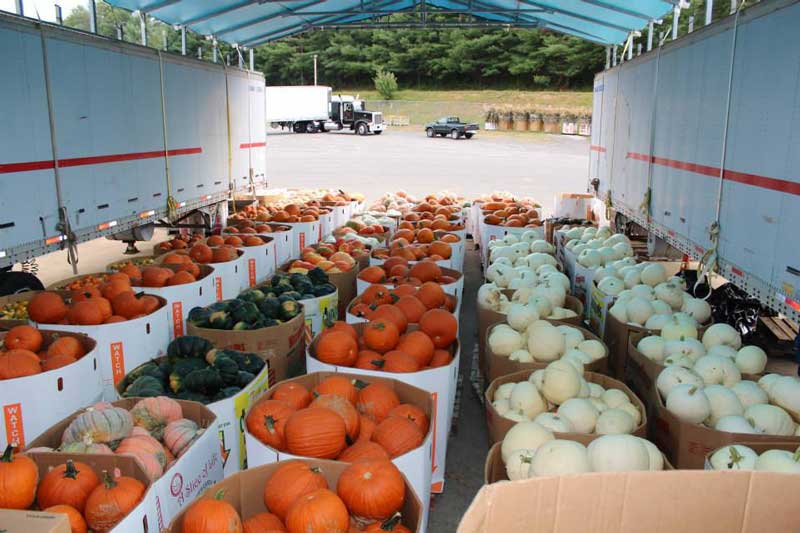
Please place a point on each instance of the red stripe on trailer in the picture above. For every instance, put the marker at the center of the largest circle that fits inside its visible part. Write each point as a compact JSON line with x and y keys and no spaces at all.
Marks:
{"x":596,"y":148}
{"x":763,"y":182}
{"x":94,"y":160}
{"x":252,"y":145}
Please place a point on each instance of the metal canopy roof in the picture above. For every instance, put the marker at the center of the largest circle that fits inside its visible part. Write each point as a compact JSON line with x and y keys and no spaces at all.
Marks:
{"x":254,"y":22}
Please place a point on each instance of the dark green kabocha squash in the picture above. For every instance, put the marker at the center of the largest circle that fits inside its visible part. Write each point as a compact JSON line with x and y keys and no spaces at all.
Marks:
{"x":220,"y":320}
{"x":206,"y":381}
{"x":145,"y":386}
{"x":193,"y":396}
{"x":247,"y":312}
{"x":290,"y":296}
{"x":244,"y":378}
{"x":188,"y":346}
{"x":290,"y":309}
{"x":270,"y":307}
{"x":228,"y":370}
{"x":325,"y":288}
{"x":251,"y":295}
{"x":227,"y":392}
{"x":199,"y":316}
{"x":317,"y":276}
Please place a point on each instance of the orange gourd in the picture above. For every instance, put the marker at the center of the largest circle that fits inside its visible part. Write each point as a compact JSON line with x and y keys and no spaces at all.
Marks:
{"x":376,"y":400}
{"x":212,"y":515}
{"x":294,"y":395}
{"x":67,"y":484}
{"x":18,"y":478}
{"x":321,"y":511}
{"x":267,"y":421}
{"x":111,"y":501}
{"x":398,"y":435}
{"x":23,"y":337}
{"x":315,"y":432}
{"x":372,"y":489}
{"x":291,"y":481}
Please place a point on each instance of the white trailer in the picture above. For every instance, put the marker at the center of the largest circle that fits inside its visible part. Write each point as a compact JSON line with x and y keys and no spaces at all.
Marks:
{"x":697,"y":142}
{"x":304,"y":108}
{"x":98,"y":135}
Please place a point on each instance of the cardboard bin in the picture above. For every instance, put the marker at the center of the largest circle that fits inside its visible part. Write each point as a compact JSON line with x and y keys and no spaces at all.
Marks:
{"x":259,"y":261}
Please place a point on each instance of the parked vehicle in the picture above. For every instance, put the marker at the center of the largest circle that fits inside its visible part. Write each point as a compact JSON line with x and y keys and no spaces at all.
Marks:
{"x":312,"y":109}
{"x":349,"y":112}
{"x":452,"y":127}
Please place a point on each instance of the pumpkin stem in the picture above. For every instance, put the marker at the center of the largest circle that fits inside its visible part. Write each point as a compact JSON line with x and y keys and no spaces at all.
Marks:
{"x":390,"y":523}
{"x":220,"y":494}
{"x":8,"y":455}
{"x":71,"y":472}
{"x":796,"y":455}
{"x":269,"y":421}
{"x":108,"y":480}
{"x":359,"y":384}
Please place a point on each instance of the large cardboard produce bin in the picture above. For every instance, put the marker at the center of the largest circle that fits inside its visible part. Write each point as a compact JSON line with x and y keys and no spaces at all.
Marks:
{"x":634,"y":502}
{"x":495,"y":470}
{"x":31,"y":404}
{"x":327,"y":223}
{"x":303,"y":234}
{"x":229,"y":277}
{"x":487,"y":317}
{"x":191,"y":473}
{"x":490,"y":232}
{"x":229,"y":426}
{"x":345,"y":283}
{"x":350,"y":318}
{"x":440,"y":382}
{"x":758,"y":447}
{"x":687,"y":444}
{"x":415,"y":465}
{"x":499,"y":365}
{"x":122,"y":346}
{"x":283,"y":236}
{"x":456,"y":287}
{"x":280,"y":346}
{"x":143,"y":517}
{"x":259,"y":261}
{"x":182,"y":298}
{"x":245,"y":491}
{"x":497,"y":425}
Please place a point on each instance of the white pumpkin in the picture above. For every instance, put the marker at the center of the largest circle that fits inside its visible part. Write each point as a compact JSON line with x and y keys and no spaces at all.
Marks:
{"x":524,"y":436}
{"x":678,"y":360}
{"x":519,"y":464}
{"x":734,"y":457}
{"x":540,"y":303}
{"x":661,"y":308}
{"x":675,"y":329}
{"x":520,"y":316}
{"x":515,"y":416}
{"x":526,"y":399}
{"x":554,"y":423}
{"x":503,"y":340}
{"x":553,"y":292}
{"x":785,"y":393}
{"x":643,"y":291}
{"x":590,"y":258}
{"x":619,"y":311}
{"x":656,"y":322}
{"x":722,"y":334}
{"x":611,"y":286}
{"x":542,"y":246}
{"x":618,"y":453}
{"x":559,"y":457}
{"x":537,"y":377}
{"x":595,"y":349}
{"x":766,"y":381}
{"x":633,"y":411}
{"x":572,"y":336}
{"x":723,"y":401}
{"x":735,"y":424}
{"x":639,"y":310}
{"x":676,"y":375}
{"x":688,"y":403}
{"x":503,"y":392}
{"x":652,"y":347}
{"x":716,"y":369}
{"x":654,"y":454}
{"x":770,"y":419}
{"x":615,"y":422}
{"x":691,"y":348}
{"x":560,"y":383}
{"x":722,"y":349}
{"x":595,"y":390}
{"x":632,"y":277}
{"x":699,"y":309}
{"x":491,"y":297}
{"x":545,"y":343}
{"x":779,"y":461}
{"x":751,"y":360}
{"x":501,"y":406}
{"x":671,"y":294}
{"x":522,"y":355}
{"x":598,"y":404}
{"x":581,"y":414}
{"x":749,"y":393}
{"x":653,"y":274}
{"x":614,"y":398}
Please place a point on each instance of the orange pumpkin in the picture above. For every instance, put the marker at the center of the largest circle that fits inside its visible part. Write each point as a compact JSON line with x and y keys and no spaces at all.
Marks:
{"x":441,"y":326}
{"x":321,"y":511}
{"x":381,"y":335}
{"x":440,"y":358}
{"x":369,"y":360}
{"x":431,"y":295}
{"x":267,"y":420}
{"x":132,"y":271}
{"x":392,"y":313}
{"x":115,"y":287}
{"x":19,"y":363}
{"x":149,"y":303}
{"x":338,"y":386}
{"x":201,"y":253}
{"x":57,"y":361}
{"x":413,"y":413}
{"x":23,"y":337}
{"x":344,"y":409}
{"x":65,"y":345}
{"x":398,"y":435}
{"x":18,"y":478}
{"x":372,"y":489}
{"x":376,"y":295}
{"x":233,"y":241}
{"x":426,"y":271}
{"x":363,"y":449}
{"x":412,"y":307}
{"x":180,"y":278}
{"x":214,"y":240}
{"x":68,"y":484}
{"x":337,"y":348}
{"x":127,"y":305}
{"x":76,"y":522}
{"x":291,"y":481}
{"x":153,"y":276}
{"x":376,"y":400}
{"x":212,"y":515}
{"x":263,"y":523}
{"x":315,"y":432}
{"x":418,"y":345}
{"x":111,"y":501}
{"x":294,"y":395}
{"x":397,"y":361}
{"x":47,"y":308}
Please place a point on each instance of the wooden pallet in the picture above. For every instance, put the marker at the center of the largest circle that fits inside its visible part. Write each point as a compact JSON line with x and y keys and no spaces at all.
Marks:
{"x":782,"y":328}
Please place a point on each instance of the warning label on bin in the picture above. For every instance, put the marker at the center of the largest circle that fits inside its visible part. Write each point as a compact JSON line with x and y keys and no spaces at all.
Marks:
{"x":117,"y":361}
{"x":12,"y":415}
{"x":177,"y":318}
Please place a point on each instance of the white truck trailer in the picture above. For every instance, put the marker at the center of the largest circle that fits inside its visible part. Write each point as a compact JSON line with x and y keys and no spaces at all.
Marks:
{"x":101,"y":136}
{"x":302,"y":108}
{"x":697,"y":142}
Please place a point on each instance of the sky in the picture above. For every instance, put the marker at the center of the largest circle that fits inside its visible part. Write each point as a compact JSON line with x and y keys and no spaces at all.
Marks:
{"x":45,"y":8}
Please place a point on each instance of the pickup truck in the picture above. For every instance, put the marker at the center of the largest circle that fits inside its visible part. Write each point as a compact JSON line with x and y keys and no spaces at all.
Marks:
{"x":451,"y":126}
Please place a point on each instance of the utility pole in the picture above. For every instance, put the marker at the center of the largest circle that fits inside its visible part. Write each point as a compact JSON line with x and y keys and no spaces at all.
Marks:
{"x":59,"y":17}
{"x":143,"y":27}
{"x":709,"y":11}
{"x":315,"y":69}
{"x":92,"y":16}
{"x":252,"y":59}
{"x":20,"y":9}
{"x":183,"y":40}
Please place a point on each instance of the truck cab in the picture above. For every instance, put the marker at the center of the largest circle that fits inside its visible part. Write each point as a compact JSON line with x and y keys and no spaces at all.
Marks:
{"x":349,"y":112}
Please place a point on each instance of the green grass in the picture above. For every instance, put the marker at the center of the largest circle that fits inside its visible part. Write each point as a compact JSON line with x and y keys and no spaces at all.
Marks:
{"x":426,"y":106}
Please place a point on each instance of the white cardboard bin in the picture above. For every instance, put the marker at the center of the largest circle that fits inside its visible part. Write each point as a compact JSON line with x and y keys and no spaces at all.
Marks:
{"x":327,"y":224}
{"x":303,"y":234}
{"x":259,"y":262}
{"x":319,"y":311}
{"x":228,"y":278}
{"x":182,"y":298}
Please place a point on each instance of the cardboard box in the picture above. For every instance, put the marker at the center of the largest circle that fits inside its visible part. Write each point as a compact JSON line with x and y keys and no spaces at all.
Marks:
{"x":122,"y":346}
{"x":498,"y":425}
{"x":490,"y":233}
{"x":487,"y":317}
{"x":341,"y":214}
{"x":758,"y":447}
{"x":26,"y":296}
{"x":259,"y":261}
{"x":303,"y":234}
{"x":13,"y":521}
{"x":230,"y":421}
{"x":141,"y":518}
{"x":345,"y":283}
{"x":31,"y":404}
{"x":499,"y":365}
{"x":245,"y":491}
{"x":229,"y":277}
{"x":456,"y":287}
{"x":440,"y":382}
{"x":281,"y":346}
{"x":687,"y":444}
{"x":415,"y":465}
{"x":633,"y":502}
{"x":190,"y":474}
{"x":495,"y":470}
{"x":573,"y":205}
{"x":283,"y":237}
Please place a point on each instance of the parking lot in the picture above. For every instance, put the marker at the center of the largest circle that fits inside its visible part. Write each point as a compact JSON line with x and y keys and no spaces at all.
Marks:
{"x":529,"y":164}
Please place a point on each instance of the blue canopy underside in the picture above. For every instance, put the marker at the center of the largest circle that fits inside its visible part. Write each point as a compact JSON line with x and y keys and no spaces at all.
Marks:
{"x":253,"y":22}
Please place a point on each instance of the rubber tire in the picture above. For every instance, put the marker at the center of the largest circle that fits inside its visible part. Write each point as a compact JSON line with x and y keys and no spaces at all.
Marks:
{"x":429,"y":132}
{"x":378,"y":132}
{"x":468,"y":135}
{"x":15,"y":282}
{"x":361,"y":129}
{"x":310,"y":127}
{"x":454,"y":135}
